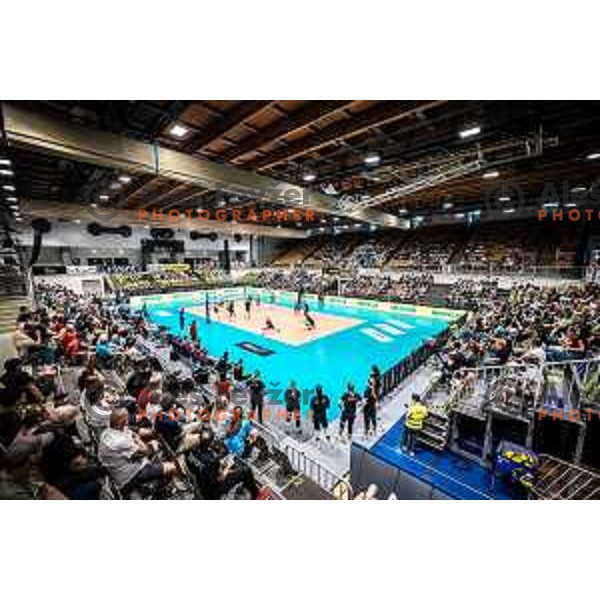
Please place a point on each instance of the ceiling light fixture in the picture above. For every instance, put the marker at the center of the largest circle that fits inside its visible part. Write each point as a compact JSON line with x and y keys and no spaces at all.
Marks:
{"x":5,"y":162}
{"x":178,"y":130}
{"x":308,"y":177}
{"x":509,"y":210}
{"x":593,"y":156}
{"x":504,"y":199}
{"x":124,"y":179}
{"x":491,"y":175}
{"x":372,"y":159}
{"x":6,"y":172}
{"x":447,"y":205}
{"x":103,"y":197}
{"x":470,"y":132}
{"x":9,"y":188}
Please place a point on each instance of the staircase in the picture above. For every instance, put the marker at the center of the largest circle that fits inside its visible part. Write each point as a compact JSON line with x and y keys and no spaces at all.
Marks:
{"x":9,"y":308}
{"x":435,"y":432}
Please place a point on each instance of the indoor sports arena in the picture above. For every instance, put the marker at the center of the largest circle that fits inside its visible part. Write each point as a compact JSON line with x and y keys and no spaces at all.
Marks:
{"x":298,"y":300}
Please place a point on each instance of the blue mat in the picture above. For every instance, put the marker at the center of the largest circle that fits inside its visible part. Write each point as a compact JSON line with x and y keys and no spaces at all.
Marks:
{"x":453,"y":475}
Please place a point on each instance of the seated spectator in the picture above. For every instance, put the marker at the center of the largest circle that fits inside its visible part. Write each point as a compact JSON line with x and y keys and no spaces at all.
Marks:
{"x":216,"y":477}
{"x":126,"y":457}
{"x":18,"y":384}
{"x":238,"y":432}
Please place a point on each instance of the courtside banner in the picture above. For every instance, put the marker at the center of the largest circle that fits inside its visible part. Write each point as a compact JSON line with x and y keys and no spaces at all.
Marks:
{"x":237,"y":293}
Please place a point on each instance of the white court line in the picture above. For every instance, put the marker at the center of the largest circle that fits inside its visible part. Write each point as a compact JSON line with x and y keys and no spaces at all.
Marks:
{"x":376,"y":335}
{"x":164,"y":313}
{"x":389,"y":329}
{"x":400,"y":324}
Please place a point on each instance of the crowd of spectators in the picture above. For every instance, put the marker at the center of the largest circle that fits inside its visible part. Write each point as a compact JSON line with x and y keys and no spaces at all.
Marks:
{"x":526,"y":324}
{"x":409,"y":287}
{"x":154,"y":282}
{"x":87,"y":412}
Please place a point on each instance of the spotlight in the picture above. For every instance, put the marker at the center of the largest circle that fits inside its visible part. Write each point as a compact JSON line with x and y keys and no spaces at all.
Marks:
{"x":372,"y":159}
{"x":470,"y":132}
{"x":178,"y":130}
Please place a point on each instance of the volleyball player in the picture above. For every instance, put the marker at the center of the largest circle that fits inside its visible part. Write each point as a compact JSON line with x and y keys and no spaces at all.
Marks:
{"x":319,"y":404}
{"x":350,"y":400}
{"x":231,"y":310}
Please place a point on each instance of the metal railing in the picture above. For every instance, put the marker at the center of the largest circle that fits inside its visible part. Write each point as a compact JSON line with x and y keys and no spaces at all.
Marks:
{"x":561,"y":480}
{"x":338,"y":487}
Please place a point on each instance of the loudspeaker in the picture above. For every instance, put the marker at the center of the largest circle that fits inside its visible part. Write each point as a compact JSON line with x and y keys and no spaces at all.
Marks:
{"x":96,"y":229}
{"x":40,"y":227}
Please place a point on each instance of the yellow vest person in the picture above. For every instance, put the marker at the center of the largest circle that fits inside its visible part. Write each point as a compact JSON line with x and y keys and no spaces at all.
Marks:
{"x":416,"y":414}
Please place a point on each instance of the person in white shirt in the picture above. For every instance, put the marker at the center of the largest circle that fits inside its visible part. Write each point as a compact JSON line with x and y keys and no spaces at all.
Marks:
{"x":125,"y":456}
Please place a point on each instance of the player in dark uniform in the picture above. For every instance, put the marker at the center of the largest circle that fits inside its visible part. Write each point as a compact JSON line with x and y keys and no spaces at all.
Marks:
{"x":182,"y":318}
{"x":375,"y":382}
{"x":231,"y":310}
{"x":370,"y":410}
{"x":319,"y":404}
{"x":248,"y":306}
{"x":349,"y":403}
{"x":292,"y":404}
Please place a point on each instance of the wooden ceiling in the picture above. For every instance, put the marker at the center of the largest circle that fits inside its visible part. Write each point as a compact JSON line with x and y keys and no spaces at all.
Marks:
{"x":530,"y":143}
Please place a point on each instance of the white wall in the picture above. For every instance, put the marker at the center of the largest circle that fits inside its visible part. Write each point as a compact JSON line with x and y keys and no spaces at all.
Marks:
{"x":70,"y":240}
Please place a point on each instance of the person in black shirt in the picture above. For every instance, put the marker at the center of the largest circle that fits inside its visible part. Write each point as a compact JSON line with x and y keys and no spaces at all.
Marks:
{"x":256,"y":388}
{"x":18,"y":382}
{"x":370,"y":410}
{"x":350,"y":400}
{"x":216,"y":476}
{"x":292,"y":404}
{"x":182,"y":318}
{"x":375,"y":382}
{"x":248,"y":306}
{"x":319,"y":404}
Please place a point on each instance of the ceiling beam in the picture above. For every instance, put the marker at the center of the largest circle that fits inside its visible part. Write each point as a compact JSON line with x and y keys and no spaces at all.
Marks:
{"x":225,"y":124}
{"x":377,"y":116}
{"x":61,"y":138}
{"x":305,"y":117}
